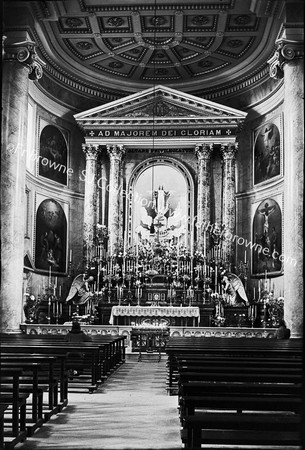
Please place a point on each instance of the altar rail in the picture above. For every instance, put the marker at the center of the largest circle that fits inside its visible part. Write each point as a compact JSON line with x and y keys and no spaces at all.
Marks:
{"x":125,"y":330}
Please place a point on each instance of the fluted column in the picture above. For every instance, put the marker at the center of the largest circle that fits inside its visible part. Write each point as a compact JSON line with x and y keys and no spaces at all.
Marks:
{"x":18,"y":66}
{"x":228,"y":197}
{"x":115,"y":153}
{"x":203,"y":153}
{"x":90,"y":212}
{"x":288,"y":62}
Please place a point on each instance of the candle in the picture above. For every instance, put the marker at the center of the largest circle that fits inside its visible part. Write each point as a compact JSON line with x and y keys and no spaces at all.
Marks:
{"x":254,"y":294}
{"x":56,"y":282}
{"x":50,"y":274}
{"x":245,"y":256}
{"x":69,"y":310}
{"x":70,"y":257}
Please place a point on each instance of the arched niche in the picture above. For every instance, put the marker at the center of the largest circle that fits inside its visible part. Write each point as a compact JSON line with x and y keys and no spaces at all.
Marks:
{"x":160,"y":193}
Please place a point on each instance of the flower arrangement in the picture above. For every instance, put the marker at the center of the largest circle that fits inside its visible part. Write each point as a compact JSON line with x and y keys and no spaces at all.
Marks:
{"x":218,"y":320}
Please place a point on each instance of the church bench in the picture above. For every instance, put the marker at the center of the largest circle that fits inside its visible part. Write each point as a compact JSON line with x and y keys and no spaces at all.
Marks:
{"x":29,"y":382}
{"x":3,"y":408}
{"x":15,"y":413}
{"x":91,"y":351}
{"x":244,"y":430}
{"x":48,"y":365}
{"x":256,"y":348}
{"x":40,"y":374}
{"x":51,"y":372}
{"x":113,"y":351}
{"x":236,"y":397}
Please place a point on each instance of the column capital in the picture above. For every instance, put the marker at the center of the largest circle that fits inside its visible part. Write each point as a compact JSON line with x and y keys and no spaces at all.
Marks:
{"x":203,"y":151}
{"x":116,"y":152}
{"x":285,"y":51}
{"x":91,"y":151}
{"x":229,"y":151}
{"x":25,"y":53}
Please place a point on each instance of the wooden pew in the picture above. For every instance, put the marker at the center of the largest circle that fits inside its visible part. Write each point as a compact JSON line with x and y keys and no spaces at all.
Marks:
{"x":41,"y":374}
{"x":16,"y":410}
{"x":198,"y":347}
{"x":3,"y":408}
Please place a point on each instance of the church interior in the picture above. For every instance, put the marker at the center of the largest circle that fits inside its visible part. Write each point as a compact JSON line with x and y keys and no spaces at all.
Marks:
{"x":152,"y":186}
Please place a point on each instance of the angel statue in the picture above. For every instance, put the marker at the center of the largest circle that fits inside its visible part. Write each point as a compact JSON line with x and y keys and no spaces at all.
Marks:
{"x":234,"y":289}
{"x":79,"y":291}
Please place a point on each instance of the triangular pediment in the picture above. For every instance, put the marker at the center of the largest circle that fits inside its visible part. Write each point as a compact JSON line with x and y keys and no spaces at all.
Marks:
{"x":155,"y":103}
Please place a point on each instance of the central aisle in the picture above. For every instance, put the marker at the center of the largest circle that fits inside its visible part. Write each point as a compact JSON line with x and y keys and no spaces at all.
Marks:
{"x":130,"y":411}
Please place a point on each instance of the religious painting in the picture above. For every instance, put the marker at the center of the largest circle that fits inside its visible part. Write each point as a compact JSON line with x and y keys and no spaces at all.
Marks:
{"x":267,"y":153}
{"x":267,"y":238}
{"x":160,"y":207}
{"x":53,"y":155}
{"x":51,"y":237}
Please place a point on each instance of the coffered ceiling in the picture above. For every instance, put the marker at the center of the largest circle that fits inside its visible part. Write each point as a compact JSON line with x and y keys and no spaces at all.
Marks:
{"x":123,"y":46}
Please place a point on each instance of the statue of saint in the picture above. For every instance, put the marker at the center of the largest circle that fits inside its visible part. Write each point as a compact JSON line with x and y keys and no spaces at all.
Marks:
{"x":234,"y":289}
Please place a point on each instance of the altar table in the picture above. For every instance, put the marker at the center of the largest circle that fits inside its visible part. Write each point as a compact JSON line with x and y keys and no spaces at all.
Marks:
{"x":136,"y":314}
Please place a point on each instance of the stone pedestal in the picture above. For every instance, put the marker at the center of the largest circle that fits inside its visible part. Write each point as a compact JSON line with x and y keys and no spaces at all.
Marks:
{"x":18,"y":66}
{"x":115,"y":153}
{"x":90,"y":213}
{"x":203,"y":153}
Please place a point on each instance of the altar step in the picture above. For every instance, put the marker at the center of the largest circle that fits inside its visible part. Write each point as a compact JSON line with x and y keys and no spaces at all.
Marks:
{"x":149,"y":357}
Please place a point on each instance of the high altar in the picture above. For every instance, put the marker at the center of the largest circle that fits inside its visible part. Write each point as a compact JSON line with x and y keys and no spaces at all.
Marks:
{"x":159,"y":217}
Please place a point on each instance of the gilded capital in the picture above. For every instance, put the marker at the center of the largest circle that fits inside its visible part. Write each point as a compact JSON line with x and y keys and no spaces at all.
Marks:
{"x":229,"y":151}
{"x":115,"y":152}
{"x":203,"y":151}
{"x":25,"y":53}
{"x":285,"y":51}
{"x":91,"y":151}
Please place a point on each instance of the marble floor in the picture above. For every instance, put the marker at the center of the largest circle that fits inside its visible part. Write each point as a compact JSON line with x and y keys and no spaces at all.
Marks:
{"x":130,"y":411}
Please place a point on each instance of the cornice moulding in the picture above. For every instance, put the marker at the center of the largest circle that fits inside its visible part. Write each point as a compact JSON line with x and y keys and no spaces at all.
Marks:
{"x":62,"y":191}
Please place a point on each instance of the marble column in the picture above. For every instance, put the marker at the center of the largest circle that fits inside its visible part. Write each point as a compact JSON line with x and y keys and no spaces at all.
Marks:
{"x":288,"y":62}
{"x":19,"y":64}
{"x":90,"y":211}
{"x":115,"y":153}
{"x":203,"y":153}
{"x":228,"y":198}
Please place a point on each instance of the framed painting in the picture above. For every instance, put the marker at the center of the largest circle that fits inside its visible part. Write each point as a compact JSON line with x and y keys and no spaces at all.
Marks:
{"x":53,"y":154}
{"x":50,"y":235}
{"x":267,"y":156}
{"x":267,"y":237}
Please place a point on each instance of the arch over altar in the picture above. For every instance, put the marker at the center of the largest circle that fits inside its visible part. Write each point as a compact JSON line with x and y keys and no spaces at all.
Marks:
{"x":160,"y":204}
